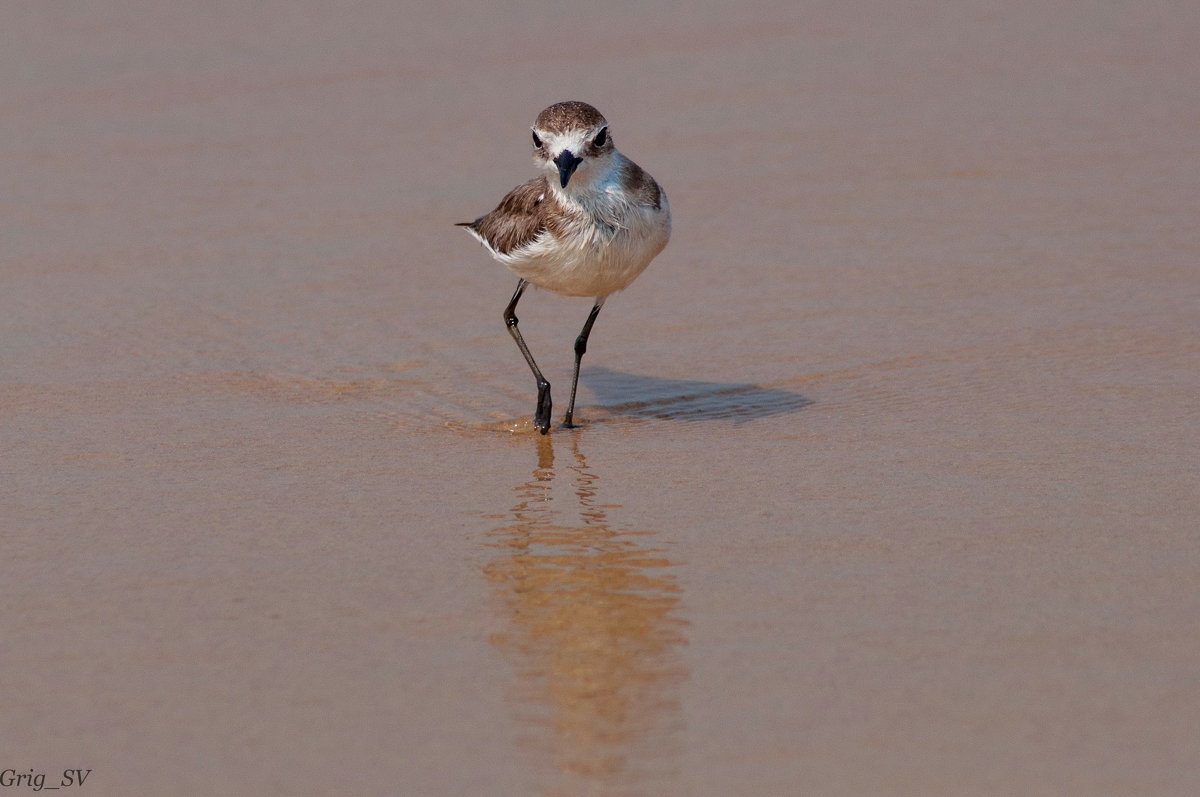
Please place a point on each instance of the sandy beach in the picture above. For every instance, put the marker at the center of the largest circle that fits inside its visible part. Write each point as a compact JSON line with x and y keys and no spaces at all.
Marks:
{"x":886,"y":482}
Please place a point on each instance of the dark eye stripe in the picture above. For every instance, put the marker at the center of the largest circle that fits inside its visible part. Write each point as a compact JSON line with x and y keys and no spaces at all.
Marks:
{"x":537,"y":142}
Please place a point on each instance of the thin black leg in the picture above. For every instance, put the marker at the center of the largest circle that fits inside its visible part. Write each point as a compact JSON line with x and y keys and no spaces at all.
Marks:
{"x":580,"y":348}
{"x":541,"y":417}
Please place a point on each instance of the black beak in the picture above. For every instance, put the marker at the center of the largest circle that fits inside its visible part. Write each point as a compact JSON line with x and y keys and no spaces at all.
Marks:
{"x":566,"y":163}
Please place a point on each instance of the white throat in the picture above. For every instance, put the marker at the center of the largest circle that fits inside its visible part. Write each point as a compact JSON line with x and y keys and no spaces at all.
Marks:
{"x":595,"y":176}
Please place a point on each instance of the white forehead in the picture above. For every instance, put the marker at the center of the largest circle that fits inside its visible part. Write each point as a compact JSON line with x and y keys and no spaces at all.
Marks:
{"x":574,"y":140}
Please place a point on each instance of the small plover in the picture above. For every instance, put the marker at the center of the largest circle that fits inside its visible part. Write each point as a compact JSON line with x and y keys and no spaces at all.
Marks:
{"x":587,"y":227}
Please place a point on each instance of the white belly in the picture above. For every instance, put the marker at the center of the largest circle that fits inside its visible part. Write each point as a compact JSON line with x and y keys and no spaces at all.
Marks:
{"x":594,"y":258}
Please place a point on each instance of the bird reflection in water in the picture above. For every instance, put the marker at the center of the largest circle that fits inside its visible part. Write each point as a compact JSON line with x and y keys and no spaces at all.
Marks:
{"x":592,"y":626}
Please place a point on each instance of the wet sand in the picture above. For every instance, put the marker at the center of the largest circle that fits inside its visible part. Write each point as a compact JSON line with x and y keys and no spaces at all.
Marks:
{"x":887,"y":481}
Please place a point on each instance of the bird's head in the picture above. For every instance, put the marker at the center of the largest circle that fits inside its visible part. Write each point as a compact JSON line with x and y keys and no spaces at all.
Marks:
{"x":571,"y":141}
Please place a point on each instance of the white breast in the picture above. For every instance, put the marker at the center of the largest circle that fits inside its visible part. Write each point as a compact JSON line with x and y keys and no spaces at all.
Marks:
{"x":606,"y":242}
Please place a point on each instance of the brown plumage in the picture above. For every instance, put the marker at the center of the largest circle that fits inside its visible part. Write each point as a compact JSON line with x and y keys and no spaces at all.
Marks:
{"x":569,"y":115}
{"x":516,"y":221}
{"x":641,"y":185}
{"x":525,"y":212}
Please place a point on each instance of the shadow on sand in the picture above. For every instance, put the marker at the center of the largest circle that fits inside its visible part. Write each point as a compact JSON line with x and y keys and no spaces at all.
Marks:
{"x":622,"y":395}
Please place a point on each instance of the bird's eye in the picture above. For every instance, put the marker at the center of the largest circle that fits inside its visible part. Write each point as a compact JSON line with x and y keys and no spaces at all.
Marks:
{"x":537,"y":142}
{"x":601,"y":137}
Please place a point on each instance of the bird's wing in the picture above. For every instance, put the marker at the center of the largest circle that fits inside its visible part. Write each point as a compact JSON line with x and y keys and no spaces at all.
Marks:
{"x":516,"y":221}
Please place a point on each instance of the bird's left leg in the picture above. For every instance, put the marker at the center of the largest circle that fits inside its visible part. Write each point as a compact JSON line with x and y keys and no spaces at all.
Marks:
{"x":580,"y":348}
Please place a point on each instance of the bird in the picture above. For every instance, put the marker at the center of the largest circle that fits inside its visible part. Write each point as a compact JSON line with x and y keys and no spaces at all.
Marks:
{"x":587,"y":226}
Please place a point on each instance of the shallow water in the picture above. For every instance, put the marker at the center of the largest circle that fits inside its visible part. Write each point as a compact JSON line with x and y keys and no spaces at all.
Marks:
{"x":885,"y":481}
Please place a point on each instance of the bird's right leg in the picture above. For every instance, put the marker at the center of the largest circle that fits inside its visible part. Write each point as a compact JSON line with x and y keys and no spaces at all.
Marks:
{"x":541,"y":417}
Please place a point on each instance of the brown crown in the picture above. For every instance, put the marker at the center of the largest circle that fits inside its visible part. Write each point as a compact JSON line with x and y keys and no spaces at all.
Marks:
{"x":570,"y":115}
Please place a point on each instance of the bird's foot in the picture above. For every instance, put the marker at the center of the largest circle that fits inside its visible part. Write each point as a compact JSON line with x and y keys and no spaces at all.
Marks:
{"x":541,"y":418}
